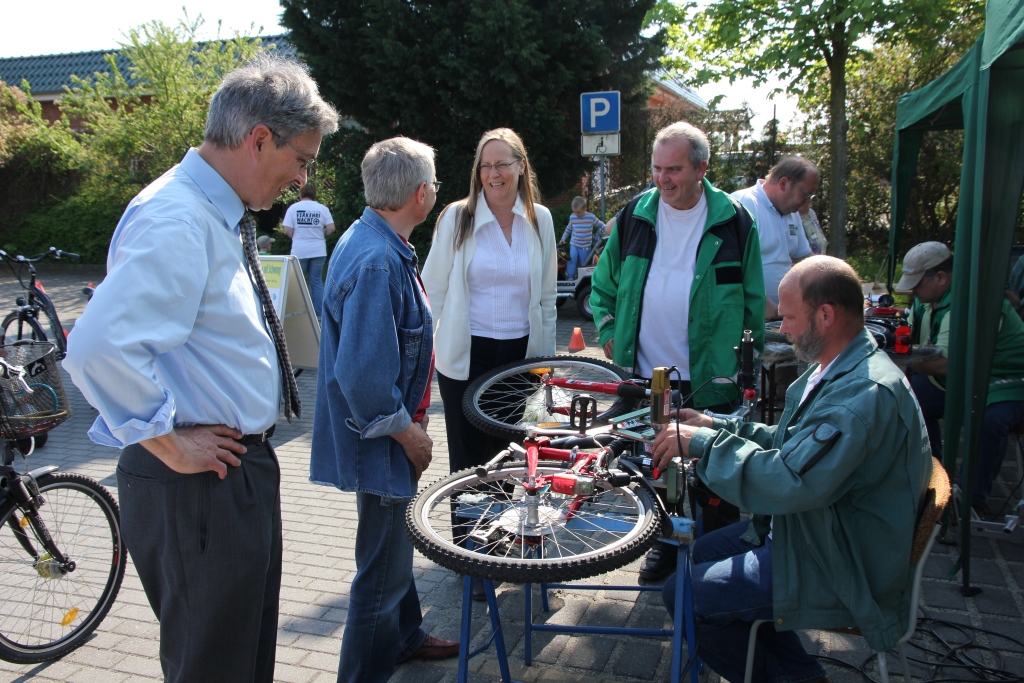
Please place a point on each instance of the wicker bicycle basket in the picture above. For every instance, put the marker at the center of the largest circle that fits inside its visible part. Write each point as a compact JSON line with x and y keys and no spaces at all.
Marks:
{"x":32,"y":398}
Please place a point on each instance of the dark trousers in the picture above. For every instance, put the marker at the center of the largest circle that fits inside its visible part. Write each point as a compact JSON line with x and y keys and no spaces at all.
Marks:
{"x":732,"y":587}
{"x":467,"y":445}
{"x":208,"y":552}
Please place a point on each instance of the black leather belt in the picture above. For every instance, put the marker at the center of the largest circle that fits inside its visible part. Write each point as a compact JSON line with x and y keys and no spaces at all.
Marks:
{"x":257,"y":439}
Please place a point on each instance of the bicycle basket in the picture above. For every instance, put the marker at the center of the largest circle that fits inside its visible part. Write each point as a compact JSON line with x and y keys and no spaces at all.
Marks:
{"x":32,"y":398}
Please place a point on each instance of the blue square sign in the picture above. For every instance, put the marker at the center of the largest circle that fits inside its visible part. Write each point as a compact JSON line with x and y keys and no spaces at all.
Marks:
{"x":599,"y":112}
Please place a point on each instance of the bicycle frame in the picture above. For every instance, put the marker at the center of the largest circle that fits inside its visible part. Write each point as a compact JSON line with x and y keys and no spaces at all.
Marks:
{"x":37,"y":299}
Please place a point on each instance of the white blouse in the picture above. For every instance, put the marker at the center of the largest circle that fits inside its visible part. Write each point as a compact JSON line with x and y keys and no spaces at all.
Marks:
{"x":499,"y":283}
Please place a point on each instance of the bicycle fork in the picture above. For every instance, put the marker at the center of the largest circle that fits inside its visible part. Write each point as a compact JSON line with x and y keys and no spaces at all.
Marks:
{"x":52,"y":563}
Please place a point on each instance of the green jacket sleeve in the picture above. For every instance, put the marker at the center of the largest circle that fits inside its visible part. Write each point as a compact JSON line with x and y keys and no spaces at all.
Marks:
{"x":810,"y":467}
{"x":604,"y":287}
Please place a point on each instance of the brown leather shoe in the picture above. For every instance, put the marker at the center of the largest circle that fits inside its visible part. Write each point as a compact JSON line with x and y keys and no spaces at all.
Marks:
{"x":435,"y":648}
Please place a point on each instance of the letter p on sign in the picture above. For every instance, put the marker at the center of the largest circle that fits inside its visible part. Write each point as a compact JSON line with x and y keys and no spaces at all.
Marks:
{"x":599,"y":112}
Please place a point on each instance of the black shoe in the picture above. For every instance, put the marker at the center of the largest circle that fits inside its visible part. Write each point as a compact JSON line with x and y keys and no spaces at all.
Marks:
{"x":659,"y":563}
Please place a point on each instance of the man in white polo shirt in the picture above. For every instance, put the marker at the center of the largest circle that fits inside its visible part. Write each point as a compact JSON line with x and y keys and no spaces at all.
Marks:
{"x":308,"y":223}
{"x":773,"y":202}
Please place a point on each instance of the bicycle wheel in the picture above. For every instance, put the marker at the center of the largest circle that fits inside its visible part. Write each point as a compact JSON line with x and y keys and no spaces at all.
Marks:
{"x":507,"y":400}
{"x":16,"y":328}
{"x":612,"y":527}
{"x":49,"y":314}
{"x":46,"y":611}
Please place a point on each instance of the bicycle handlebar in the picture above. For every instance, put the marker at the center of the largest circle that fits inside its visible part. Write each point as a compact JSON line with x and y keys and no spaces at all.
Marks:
{"x":53,"y":252}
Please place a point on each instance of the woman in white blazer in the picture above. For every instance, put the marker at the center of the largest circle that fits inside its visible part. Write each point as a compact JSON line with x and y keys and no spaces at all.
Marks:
{"x":490,"y":277}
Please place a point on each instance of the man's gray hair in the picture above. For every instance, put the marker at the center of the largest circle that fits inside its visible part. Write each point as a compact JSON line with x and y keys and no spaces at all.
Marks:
{"x":273,"y":90}
{"x":700,"y":149}
{"x":393,"y":169}
{"x":793,"y":167}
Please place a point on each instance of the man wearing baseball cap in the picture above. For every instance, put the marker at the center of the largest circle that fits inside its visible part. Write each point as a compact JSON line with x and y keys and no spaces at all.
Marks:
{"x":928,"y":273}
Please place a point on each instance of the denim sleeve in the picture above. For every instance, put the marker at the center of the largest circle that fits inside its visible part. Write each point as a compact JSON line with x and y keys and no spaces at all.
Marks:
{"x":146,"y":306}
{"x":369,"y":362}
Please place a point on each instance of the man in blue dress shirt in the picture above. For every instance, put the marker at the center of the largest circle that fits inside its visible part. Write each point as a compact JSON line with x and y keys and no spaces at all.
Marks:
{"x":174,"y":354}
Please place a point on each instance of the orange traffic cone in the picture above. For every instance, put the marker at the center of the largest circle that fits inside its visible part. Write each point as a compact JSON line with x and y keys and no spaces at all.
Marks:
{"x":577,"y":343}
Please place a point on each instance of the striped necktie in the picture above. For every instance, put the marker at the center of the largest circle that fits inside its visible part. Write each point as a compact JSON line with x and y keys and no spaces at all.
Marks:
{"x":289,"y":388}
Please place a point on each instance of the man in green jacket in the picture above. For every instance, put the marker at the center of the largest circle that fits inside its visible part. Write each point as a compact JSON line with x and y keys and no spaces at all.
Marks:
{"x":928,"y":273}
{"x":843,"y":476}
{"x":678,"y":283}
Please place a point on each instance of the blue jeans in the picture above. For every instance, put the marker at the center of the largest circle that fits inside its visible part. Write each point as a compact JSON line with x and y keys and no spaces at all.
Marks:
{"x":383,"y":624}
{"x":313,"y":269}
{"x":1000,"y":418}
{"x":732,"y":587}
{"x":577,"y":257}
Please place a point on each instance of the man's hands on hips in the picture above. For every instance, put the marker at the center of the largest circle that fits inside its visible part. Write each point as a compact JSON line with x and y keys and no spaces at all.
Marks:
{"x":674,"y":439}
{"x":417,"y":445}
{"x":202,"y":448}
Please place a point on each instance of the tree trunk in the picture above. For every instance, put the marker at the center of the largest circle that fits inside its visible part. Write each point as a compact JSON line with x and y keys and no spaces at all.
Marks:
{"x":837,"y":131}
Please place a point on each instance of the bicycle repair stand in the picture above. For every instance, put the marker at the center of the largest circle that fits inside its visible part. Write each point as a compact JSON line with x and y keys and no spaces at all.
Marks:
{"x":683,"y":623}
{"x":682,"y":536}
{"x":466,"y":632}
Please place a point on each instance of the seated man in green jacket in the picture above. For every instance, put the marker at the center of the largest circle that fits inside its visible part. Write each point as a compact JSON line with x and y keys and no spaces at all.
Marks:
{"x":928,"y":273}
{"x":842,"y":475}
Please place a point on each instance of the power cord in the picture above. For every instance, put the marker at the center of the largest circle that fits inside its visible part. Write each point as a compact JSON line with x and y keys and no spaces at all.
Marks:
{"x":957,"y":654}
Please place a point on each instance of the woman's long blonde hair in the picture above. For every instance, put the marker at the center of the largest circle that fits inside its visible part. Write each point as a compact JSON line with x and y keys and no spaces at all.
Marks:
{"x":528,"y":189}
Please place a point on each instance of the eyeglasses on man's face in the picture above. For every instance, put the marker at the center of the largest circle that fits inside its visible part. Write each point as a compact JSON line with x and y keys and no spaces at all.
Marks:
{"x":307,"y":163}
{"x":435,"y":183}
{"x":500,"y":167}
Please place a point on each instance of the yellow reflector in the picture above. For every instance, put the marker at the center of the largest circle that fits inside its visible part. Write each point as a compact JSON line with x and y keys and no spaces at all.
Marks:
{"x":69,"y":617}
{"x":23,"y":523}
{"x":540,"y":371}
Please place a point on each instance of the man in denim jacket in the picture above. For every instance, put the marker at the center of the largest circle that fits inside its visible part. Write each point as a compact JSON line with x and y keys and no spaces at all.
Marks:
{"x":373,"y":387}
{"x":842,"y":474}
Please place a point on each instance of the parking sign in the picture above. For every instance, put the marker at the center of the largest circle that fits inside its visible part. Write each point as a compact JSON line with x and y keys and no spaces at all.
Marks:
{"x":599,"y":112}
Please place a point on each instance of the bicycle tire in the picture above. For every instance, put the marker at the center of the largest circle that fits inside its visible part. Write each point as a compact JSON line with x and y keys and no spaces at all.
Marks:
{"x":616,"y":526}
{"x":16,"y":328}
{"x":508,"y":399}
{"x":53,"y":323}
{"x":43,"y":616}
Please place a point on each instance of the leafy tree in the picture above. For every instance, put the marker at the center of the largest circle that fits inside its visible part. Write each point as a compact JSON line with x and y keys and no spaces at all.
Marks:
{"x":139,"y":124}
{"x":802,"y":41}
{"x":132,"y":127}
{"x":39,"y":162}
{"x":873,"y":88}
{"x":446,"y":72}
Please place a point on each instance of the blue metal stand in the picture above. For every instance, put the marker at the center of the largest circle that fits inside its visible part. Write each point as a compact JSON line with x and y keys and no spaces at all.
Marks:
{"x":496,"y":634}
{"x":681,"y":537}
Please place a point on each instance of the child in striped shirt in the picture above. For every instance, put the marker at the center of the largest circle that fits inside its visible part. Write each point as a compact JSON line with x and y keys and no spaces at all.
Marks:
{"x":582,"y":227}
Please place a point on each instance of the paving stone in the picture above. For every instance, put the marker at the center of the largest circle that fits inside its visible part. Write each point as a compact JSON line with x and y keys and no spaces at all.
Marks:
{"x":639,"y":659}
{"x":996,"y":600}
{"x":319,"y":524}
{"x":943,"y":595}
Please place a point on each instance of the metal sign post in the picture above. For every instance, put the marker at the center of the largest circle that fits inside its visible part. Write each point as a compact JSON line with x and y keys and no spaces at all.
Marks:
{"x":599,"y":123}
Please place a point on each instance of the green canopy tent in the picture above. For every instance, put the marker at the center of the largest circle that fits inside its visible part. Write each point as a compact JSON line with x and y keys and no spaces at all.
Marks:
{"x":983,"y":94}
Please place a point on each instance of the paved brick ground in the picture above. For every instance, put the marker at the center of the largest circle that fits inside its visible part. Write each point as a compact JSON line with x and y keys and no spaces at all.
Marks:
{"x":319,"y":529}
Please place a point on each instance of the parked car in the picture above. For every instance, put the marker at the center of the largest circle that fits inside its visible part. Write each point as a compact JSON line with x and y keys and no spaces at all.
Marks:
{"x":579,"y":287}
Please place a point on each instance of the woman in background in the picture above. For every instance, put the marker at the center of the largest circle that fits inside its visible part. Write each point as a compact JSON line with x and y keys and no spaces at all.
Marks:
{"x":490,"y":277}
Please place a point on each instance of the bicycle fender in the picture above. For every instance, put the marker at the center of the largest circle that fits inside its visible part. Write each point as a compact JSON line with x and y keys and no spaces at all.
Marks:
{"x":45,"y":469}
